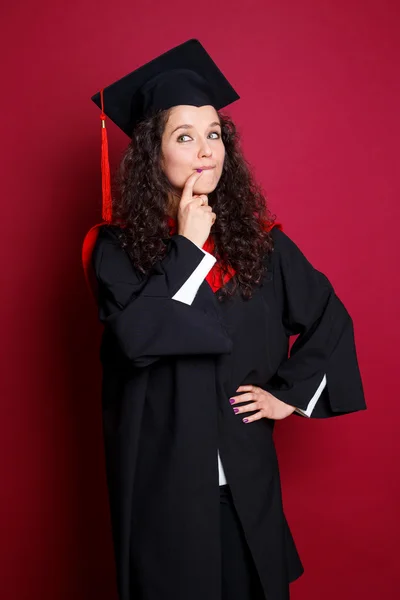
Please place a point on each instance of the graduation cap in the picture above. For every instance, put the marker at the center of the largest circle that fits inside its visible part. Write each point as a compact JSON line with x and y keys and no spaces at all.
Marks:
{"x":185,"y":74}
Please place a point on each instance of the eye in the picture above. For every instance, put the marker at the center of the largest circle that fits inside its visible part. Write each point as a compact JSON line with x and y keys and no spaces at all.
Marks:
{"x":211,"y":133}
{"x":182,"y":136}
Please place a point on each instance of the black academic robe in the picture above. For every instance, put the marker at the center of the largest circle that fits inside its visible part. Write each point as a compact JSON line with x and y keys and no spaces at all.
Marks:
{"x":169,"y":370}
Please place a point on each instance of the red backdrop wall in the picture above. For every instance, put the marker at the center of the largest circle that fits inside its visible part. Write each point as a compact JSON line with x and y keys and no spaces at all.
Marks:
{"x":319,"y":122}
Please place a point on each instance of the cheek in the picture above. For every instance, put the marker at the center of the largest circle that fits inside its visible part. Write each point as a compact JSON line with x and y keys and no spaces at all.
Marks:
{"x":220,"y":159}
{"x":219,"y":152}
{"x":177,"y":162}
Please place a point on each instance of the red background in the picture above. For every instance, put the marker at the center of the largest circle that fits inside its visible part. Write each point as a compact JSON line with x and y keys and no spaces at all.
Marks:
{"x":319,"y":82}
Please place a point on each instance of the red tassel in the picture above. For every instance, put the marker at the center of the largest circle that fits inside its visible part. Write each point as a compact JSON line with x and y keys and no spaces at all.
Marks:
{"x":105,"y":167}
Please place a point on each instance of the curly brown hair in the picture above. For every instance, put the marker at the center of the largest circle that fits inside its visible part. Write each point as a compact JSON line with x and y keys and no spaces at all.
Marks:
{"x":141,"y":201}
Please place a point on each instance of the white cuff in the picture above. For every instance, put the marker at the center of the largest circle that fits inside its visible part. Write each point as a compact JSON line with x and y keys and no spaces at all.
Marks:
{"x":189,"y":289}
{"x":307,"y":412}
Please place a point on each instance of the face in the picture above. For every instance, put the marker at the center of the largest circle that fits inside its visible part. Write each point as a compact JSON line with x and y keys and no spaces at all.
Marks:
{"x":192,"y":140}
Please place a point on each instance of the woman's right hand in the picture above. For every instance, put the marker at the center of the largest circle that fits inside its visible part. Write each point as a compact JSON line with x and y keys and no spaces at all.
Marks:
{"x":195,"y":217}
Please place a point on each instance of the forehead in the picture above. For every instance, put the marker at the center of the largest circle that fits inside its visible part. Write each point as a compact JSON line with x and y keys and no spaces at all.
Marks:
{"x":185,"y":113}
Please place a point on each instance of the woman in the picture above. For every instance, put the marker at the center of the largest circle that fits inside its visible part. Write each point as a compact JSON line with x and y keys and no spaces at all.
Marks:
{"x":199,"y":290}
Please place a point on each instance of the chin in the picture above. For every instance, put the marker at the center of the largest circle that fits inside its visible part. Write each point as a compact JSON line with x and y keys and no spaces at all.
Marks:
{"x":204,"y":189}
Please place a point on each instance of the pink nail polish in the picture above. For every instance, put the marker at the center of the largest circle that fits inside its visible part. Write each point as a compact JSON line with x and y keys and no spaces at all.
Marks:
{"x":232,"y":400}
{"x":235,"y":410}
{"x":245,"y":420}
{"x":199,"y":170}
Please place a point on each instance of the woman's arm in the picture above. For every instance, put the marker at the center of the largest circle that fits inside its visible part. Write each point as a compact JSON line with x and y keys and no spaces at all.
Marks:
{"x":323,"y":363}
{"x":150,"y":315}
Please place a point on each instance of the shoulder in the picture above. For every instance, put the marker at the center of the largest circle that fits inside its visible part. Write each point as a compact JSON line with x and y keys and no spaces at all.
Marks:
{"x":289,"y":260}
{"x":285,"y":249}
{"x":109,"y":259}
{"x":281,"y":240}
{"x":294,"y":268}
{"x":106,"y":235}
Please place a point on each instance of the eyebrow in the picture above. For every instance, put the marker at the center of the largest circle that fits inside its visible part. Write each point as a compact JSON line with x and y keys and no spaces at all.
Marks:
{"x":187,"y":126}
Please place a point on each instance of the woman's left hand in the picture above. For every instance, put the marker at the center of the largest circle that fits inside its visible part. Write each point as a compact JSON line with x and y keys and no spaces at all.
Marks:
{"x":267,"y":405}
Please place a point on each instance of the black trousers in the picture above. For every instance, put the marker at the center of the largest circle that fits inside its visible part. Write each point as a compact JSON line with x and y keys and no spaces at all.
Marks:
{"x":240,"y":579}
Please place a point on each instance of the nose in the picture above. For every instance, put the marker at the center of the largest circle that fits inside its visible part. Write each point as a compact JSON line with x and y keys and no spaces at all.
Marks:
{"x":205,"y":149}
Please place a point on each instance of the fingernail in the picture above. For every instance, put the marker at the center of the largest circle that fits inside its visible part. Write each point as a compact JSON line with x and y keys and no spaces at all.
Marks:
{"x":199,"y":170}
{"x":235,"y":410}
{"x":245,"y":420}
{"x":232,"y":400}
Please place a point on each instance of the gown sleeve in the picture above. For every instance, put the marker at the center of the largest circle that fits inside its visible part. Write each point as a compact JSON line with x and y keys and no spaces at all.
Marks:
{"x":323,"y":362}
{"x":151,"y":316}
{"x":307,"y":412}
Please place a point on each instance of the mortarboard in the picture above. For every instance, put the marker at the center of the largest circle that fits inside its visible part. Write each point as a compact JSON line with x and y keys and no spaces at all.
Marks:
{"x":185,"y":74}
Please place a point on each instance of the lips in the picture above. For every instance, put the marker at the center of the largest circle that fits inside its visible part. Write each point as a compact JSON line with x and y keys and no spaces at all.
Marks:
{"x":204,"y":168}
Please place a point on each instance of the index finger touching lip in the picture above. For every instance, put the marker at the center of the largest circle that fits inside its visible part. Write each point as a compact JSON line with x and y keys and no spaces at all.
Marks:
{"x":190,"y":181}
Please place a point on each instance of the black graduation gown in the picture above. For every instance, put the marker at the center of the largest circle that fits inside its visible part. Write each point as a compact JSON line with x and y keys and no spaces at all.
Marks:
{"x":169,"y":370}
